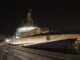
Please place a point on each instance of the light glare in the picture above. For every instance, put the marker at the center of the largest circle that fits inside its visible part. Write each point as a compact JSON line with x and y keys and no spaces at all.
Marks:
{"x":24,"y":29}
{"x":7,"y":40}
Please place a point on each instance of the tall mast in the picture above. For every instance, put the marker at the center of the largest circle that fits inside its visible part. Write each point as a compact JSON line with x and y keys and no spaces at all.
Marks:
{"x":29,"y":19}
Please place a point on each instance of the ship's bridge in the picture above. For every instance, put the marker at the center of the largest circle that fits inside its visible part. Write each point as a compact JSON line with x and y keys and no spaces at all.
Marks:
{"x":30,"y":30}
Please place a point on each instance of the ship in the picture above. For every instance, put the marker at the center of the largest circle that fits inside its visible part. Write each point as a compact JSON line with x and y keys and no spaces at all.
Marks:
{"x":32,"y":36}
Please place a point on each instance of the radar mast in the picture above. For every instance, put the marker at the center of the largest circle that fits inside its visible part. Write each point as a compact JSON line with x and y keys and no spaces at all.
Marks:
{"x":29,"y":19}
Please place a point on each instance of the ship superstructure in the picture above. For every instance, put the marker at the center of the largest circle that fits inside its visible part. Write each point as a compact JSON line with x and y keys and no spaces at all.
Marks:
{"x":30,"y":29}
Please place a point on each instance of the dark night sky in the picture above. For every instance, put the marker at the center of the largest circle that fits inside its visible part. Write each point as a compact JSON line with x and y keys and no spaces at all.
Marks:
{"x":54,"y":14}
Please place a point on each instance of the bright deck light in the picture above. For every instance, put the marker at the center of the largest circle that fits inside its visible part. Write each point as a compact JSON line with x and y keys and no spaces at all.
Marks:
{"x":7,"y":40}
{"x":24,"y":29}
{"x":17,"y":37}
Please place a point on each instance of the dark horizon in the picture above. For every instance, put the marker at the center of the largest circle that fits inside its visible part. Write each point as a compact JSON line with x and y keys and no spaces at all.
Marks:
{"x":55,"y":15}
